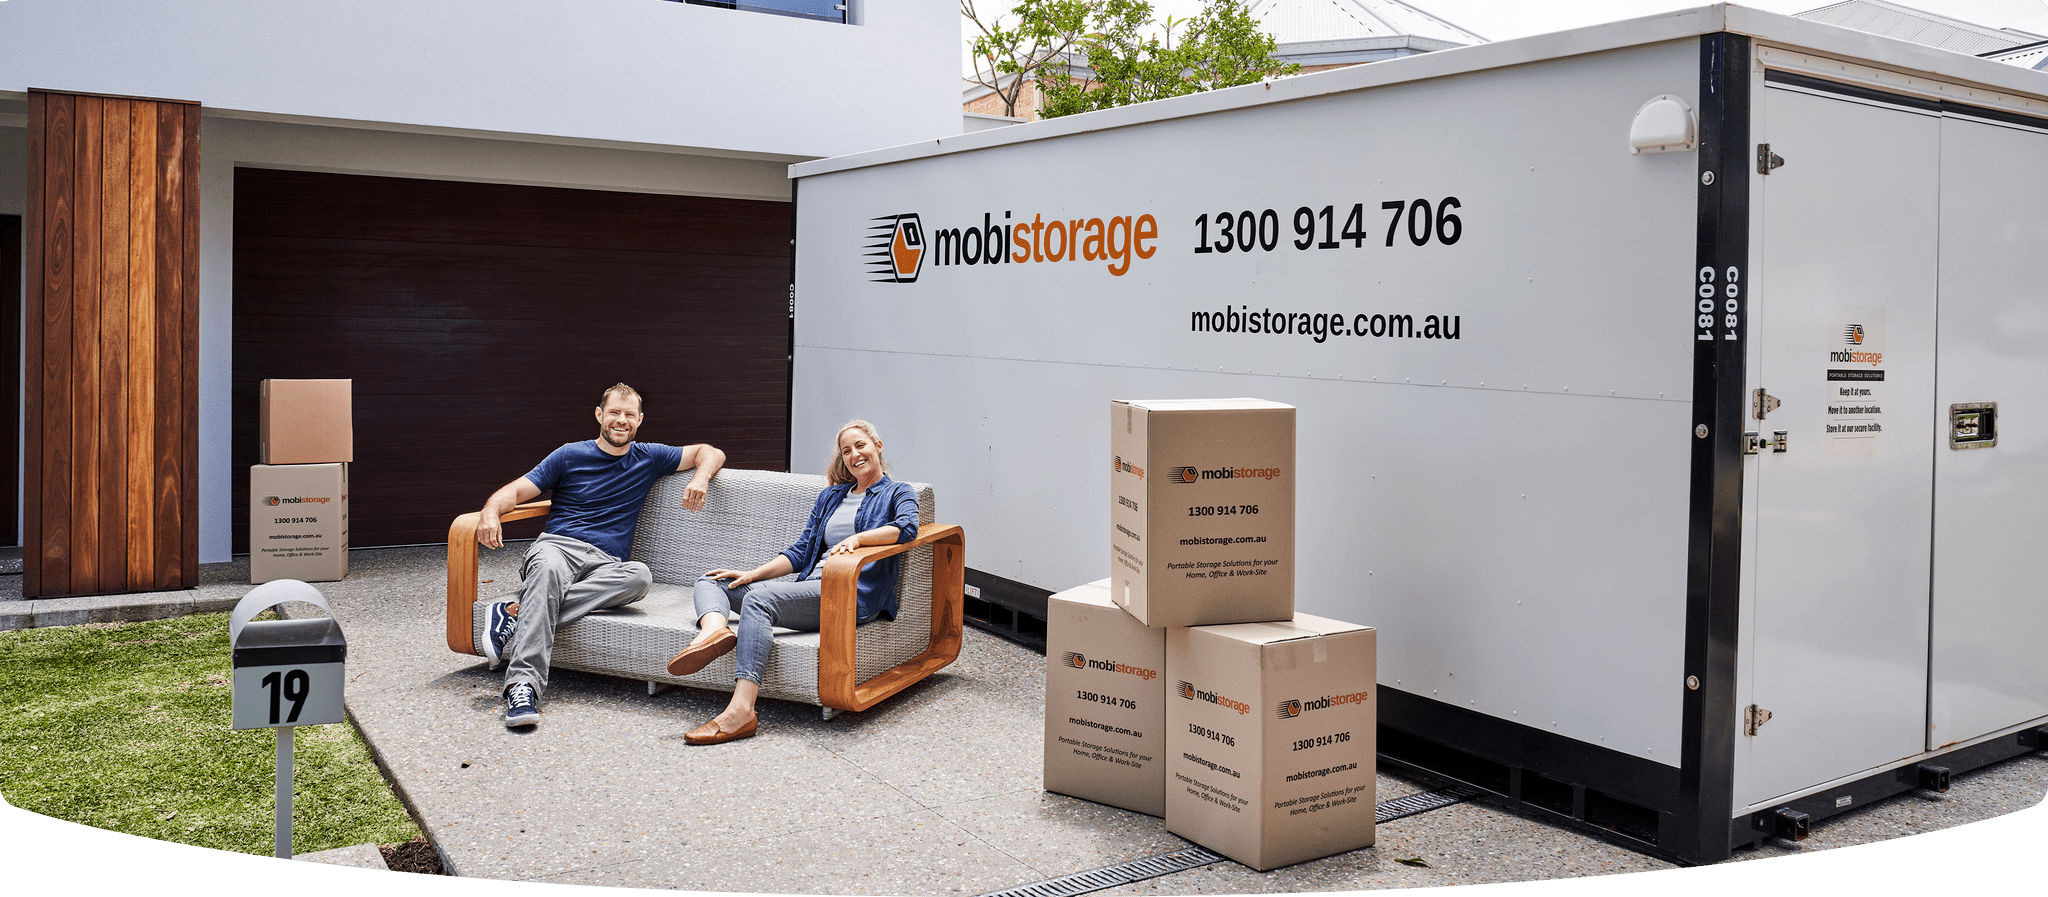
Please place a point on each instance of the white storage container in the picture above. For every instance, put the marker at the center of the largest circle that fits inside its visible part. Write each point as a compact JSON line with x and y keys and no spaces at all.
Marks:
{"x":1646,"y":378}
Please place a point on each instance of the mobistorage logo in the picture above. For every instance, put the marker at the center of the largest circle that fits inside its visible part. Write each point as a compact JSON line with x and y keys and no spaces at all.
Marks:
{"x":897,"y":244}
{"x":1081,"y":662}
{"x":1119,"y":465}
{"x":274,"y":501}
{"x":1293,"y":708}
{"x":1189,"y":691}
{"x":1195,"y":474}
{"x":897,"y":247}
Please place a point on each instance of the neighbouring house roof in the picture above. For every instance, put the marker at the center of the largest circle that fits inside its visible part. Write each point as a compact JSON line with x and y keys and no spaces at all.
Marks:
{"x":2027,"y":56}
{"x":1295,"y":21}
{"x":1920,"y":27}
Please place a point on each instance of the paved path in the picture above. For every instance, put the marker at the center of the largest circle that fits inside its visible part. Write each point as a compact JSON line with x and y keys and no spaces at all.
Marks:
{"x":936,"y":792}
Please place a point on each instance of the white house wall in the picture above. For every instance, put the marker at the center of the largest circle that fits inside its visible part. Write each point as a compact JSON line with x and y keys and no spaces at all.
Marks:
{"x":638,"y":71}
{"x":630,"y":95}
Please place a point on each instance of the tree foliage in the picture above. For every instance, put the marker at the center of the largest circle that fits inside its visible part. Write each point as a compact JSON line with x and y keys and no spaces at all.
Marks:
{"x":1007,"y":58}
{"x":1221,"y":46}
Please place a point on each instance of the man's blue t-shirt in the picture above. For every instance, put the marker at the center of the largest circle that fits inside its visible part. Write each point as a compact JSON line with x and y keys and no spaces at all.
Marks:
{"x":597,"y":495}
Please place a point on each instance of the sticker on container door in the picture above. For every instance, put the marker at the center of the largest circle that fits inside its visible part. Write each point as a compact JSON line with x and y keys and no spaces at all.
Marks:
{"x":1855,"y":384}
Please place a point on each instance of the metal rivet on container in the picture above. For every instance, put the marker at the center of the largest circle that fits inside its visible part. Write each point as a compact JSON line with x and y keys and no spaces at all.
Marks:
{"x":1707,"y":178}
{"x":1692,"y":682}
{"x":1700,"y":431}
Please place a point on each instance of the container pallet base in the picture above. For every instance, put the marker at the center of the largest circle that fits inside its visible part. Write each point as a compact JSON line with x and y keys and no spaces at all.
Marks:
{"x":1623,"y":800}
{"x":1006,"y":608}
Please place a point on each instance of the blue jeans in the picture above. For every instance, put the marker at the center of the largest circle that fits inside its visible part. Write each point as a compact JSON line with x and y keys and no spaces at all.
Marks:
{"x":762,"y":606}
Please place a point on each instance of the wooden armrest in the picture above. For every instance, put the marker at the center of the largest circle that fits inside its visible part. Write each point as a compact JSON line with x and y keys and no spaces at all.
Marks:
{"x":462,"y":571}
{"x":838,"y":609}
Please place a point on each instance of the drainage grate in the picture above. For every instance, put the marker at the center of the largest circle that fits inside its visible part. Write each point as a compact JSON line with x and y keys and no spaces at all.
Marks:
{"x":1111,"y":876}
{"x":1196,"y":857}
{"x":1421,"y":802}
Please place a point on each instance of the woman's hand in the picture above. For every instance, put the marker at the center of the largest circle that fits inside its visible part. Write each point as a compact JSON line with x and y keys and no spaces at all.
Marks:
{"x":846,"y":545}
{"x":738,"y":578}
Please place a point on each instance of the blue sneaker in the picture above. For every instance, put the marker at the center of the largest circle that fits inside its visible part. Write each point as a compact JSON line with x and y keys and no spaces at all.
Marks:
{"x":521,"y":707}
{"x":501,"y":620}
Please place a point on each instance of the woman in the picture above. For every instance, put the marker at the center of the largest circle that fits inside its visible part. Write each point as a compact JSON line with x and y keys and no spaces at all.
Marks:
{"x":862,"y":506}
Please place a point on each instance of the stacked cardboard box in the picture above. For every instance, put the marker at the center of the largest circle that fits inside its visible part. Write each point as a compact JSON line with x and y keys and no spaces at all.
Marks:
{"x":1105,"y":702}
{"x":298,"y":494}
{"x":1270,"y":738}
{"x":1258,"y":741}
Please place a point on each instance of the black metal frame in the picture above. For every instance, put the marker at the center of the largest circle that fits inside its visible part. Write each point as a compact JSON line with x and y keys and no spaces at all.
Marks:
{"x":1714,"y":530}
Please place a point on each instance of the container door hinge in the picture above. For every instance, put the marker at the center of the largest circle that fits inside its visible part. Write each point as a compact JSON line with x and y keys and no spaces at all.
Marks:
{"x":1753,"y":718}
{"x":1767,"y":161}
{"x":1765,"y":404}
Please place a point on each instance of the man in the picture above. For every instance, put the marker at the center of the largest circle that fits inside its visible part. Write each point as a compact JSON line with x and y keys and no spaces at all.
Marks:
{"x":578,"y":564}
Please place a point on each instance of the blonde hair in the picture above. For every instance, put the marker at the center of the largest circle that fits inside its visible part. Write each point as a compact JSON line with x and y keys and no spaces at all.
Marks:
{"x":836,"y":472}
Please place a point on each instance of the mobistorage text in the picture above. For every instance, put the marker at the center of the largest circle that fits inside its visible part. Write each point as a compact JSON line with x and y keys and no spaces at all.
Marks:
{"x":1321,"y":326}
{"x":1116,"y":240}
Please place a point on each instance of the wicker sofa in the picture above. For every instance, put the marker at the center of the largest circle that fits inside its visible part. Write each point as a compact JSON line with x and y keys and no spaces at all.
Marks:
{"x":748,"y":516}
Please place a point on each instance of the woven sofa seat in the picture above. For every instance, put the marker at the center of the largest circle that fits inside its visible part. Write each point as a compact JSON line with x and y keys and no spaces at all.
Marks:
{"x":749,"y":516}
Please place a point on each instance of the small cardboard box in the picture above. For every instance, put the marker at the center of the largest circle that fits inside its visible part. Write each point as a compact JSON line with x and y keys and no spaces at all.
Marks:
{"x":307,"y":422}
{"x":298,"y":522}
{"x":1202,"y":510}
{"x":1270,"y":738}
{"x":1105,"y":702}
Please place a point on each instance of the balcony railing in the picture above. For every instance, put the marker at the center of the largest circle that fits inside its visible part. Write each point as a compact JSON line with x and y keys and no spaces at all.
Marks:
{"x":817,"y":10}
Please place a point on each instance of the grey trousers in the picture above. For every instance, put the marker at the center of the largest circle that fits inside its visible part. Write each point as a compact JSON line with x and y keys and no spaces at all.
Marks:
{"x":564,"y":579}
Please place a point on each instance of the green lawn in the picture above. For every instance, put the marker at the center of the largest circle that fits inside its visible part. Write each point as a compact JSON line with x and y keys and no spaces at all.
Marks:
{"x":125,"y":727}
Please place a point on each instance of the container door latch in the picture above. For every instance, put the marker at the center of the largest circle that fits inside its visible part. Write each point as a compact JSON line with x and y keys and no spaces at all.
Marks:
{"x":1754,"y":442}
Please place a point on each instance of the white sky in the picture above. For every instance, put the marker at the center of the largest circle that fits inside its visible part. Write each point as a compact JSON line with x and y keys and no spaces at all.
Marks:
{"x":1505,"y":19}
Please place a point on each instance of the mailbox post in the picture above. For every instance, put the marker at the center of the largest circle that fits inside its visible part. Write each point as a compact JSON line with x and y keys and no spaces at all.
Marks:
{"x":286,"y":673}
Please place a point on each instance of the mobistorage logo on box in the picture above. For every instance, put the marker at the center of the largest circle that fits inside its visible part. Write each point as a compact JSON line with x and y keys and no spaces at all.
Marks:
{"x":1189,"y":691}
{"x":1292,"y":708}
{"x":1195,"y":474}
{"x":274,"y":501}
{"x":1080,"y":662}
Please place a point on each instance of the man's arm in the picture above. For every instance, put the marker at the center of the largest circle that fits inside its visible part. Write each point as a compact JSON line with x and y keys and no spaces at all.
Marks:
{"x":488,"y":532}
{"x":707,"y":459}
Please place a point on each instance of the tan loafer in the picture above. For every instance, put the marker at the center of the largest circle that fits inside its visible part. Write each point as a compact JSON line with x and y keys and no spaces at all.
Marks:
{"x":697,"y":657}
{"x":710,"y":733}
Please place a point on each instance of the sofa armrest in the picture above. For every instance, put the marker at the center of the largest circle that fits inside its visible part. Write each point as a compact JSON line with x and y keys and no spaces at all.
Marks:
{"x":462,"y":571}
{"x":838,"y":607}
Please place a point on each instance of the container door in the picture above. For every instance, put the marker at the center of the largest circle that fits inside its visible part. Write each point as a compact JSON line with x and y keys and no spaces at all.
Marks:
{"x":1843,"y":321}
{"x":1989,"y":670}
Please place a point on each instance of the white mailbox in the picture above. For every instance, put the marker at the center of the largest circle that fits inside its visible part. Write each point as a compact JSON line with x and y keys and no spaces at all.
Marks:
{"x":287,"y":672}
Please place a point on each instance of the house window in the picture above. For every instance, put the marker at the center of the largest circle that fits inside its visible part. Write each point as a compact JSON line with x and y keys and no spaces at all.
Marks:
{"x":819,"y":10}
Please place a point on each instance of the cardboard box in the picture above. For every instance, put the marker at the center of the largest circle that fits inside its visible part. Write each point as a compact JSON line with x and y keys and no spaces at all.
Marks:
{"x":307,"y":422}
{"x":1202,"y":510}
{"x":1270,"y":738}
{"x":1105,"y":702}
{"x":298,"y":522}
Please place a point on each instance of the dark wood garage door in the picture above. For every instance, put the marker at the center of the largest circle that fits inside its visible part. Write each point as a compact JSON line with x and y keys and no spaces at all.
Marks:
{"x":480,"y":323}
